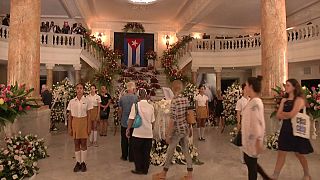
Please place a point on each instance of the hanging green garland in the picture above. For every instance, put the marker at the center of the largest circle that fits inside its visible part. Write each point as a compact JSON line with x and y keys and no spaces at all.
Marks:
{"x":134,"y":27}
{"x":170,"y":63}
{"x":109,"y":66}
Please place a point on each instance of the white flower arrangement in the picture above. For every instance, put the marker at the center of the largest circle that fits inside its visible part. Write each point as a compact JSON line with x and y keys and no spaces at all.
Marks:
{"x":18,"y":159}
{"x":230,"y":98}
{"x":62,"y":93}
{"x":87,"y":89}
{"x":272,"y":141}
{"x":190,"y":92}
{"x":159,"y":151}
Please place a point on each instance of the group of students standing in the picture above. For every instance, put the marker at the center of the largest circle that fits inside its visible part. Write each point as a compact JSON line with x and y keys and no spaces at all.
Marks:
{"x":136,"y":143}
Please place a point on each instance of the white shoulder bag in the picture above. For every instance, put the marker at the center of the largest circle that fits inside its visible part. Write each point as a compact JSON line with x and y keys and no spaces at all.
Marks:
{"x":301,"y":125}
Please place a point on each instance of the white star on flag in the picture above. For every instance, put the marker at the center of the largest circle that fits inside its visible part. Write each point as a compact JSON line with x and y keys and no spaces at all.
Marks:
{"x":134,"y":43}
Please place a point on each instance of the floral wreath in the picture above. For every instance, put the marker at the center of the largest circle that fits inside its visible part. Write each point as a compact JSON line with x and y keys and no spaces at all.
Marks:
{"x":133,"y":27}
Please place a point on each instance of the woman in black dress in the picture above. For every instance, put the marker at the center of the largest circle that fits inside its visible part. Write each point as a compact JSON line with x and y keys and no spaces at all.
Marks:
{"x":219,"y":110}
{"x":104,"y":110}
{"x":290,"y":106}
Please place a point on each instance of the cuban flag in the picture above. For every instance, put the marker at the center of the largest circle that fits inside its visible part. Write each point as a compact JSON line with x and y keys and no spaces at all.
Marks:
{"x":134,"y":51}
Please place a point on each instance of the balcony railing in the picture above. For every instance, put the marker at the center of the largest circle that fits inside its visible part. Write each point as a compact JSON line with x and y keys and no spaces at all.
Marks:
{"x":298,"y":34}
{"x":73,"y":41}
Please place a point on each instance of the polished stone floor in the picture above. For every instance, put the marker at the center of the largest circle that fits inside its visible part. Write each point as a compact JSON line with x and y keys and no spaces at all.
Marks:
{"x":220,"y":157}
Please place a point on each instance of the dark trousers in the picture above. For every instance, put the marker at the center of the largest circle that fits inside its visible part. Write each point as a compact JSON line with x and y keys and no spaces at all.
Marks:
{"x":141,"y":153}
{"x":254,"y":168}
{"x":126,"y":145}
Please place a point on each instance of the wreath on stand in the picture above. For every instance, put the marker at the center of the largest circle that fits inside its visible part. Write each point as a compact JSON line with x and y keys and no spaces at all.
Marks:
{"x":230,"y":98}
{"x":134,"y":27}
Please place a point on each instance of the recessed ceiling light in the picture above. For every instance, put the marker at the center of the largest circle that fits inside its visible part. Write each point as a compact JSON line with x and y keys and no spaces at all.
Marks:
{"x":142,"y":1}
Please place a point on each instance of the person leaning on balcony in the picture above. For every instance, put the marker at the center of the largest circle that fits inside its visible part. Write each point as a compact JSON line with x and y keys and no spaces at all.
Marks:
{"x":78,"y":126}
{"x":6,"y":20}
{"x":66,"y":28}
{"x":178,"y":131}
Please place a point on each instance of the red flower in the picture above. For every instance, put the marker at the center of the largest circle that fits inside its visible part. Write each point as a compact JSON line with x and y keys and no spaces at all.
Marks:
{"x":28,"y":108}
{"x":20,"y":108}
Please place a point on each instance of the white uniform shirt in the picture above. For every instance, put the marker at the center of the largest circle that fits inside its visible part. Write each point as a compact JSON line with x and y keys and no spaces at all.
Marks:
{"x":146,"y":111}
{"x":252,"y":126}
{"x":80,"y":107}
{"x":95,"y":99}
{"x":202,"y":100}
{"x":241,"y":103}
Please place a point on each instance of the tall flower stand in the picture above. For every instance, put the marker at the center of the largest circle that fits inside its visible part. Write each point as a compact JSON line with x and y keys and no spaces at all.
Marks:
{"x":151,"y":62}
{"x":314,"y":127}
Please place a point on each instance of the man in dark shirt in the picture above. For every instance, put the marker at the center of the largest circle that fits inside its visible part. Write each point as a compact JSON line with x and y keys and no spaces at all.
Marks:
{"x":66,"y":28}
{"x":46,"y":96}
{"x":6,"y":20}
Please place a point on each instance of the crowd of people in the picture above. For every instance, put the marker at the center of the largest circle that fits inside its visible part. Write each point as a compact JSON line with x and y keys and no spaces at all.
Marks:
{"x":76,"y":28}
{"x":88,"y":115}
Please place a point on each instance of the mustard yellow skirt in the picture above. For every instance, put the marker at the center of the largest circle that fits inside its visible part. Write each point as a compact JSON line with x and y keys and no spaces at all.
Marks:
{"x":80,"y":128}
{"x":94,"y":114}
{"x":202,"y":112}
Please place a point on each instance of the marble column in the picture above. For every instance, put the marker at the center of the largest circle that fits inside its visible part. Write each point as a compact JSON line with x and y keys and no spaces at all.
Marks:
{"x":24,"y":44}
{"x":274,"y":63}
{"x":218,"y":71}
{"x":49,"y":75}
{"x":194,"y":75}
{"x":77,"y":68}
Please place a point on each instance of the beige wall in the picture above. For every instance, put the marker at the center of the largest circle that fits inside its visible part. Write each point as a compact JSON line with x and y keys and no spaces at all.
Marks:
{"x":296,"y":70}
{"x":3,"y":73}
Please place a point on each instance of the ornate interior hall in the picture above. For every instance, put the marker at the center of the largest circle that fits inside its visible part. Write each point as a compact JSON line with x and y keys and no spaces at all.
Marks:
{"x":77,"y":76}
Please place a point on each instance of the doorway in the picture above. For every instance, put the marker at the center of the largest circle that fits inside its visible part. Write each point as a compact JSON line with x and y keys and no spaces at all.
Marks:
{"x":225,"y":83}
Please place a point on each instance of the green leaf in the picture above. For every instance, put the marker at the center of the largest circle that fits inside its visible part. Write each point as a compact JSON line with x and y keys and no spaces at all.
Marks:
{"x":273,"y":114}
{"x":4,"y":107}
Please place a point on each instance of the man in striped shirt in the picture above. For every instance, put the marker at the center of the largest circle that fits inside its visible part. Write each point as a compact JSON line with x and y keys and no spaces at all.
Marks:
{"x":178,"y":130}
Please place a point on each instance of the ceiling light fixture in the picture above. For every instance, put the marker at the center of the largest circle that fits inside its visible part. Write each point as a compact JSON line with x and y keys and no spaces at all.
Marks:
{"x":142,"y":1}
